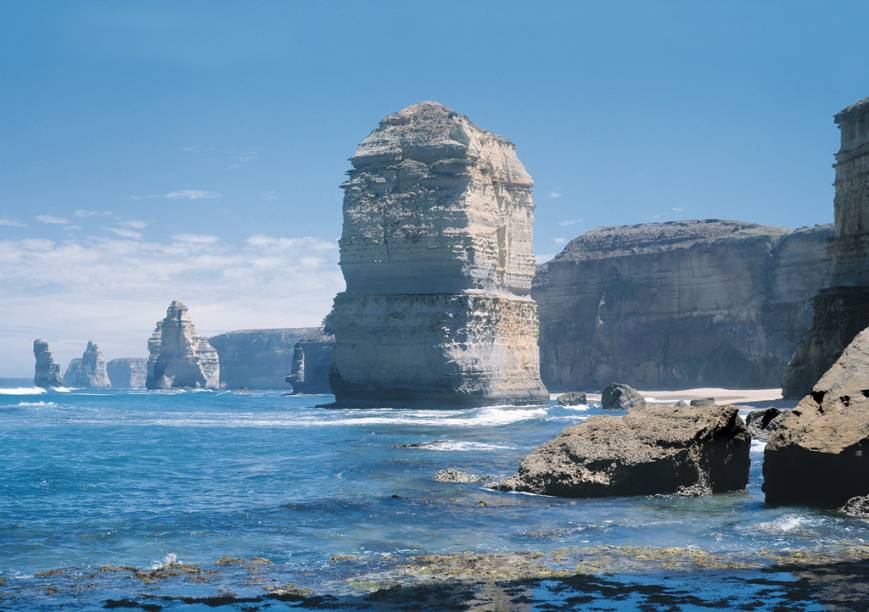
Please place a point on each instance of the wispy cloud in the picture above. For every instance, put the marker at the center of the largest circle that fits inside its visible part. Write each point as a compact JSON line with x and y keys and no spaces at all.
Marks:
{"x":195,"y":238}
{"x":193,"y":194}
{"x":569,"y":222}
{"x":52,"y":220}
{"x":135,"y":224}
{"x":85,"y":212}
{"x":124,"y":232}
{"x":72,"y":228}
{"x":559,"y":241}
{"x":270,"y":195}
{"x":677,"y":209}
{"x":11,"y":223}
{"x":555,"y":194}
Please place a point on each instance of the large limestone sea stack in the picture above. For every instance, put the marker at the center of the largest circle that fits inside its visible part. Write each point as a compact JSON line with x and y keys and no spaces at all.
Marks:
{"x":436,"y":253}
{"x":178,"y":357}
{"x":89,"y":370}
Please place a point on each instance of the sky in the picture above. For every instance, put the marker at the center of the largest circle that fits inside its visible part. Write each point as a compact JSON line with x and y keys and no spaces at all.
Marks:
{"x":159,"y":150}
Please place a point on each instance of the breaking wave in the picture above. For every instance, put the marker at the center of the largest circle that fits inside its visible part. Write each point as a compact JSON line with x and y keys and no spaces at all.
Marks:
{"x":459,"y":445}
{"x":22,"y":391}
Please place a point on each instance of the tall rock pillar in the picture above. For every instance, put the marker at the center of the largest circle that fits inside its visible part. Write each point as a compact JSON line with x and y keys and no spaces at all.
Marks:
{"x":437,"y":256}
{"x":178,"y":357}
{"x":47,"y":372}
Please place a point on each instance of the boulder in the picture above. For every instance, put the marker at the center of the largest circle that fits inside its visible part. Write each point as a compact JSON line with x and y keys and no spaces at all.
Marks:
{"x":87,"y":371}
{"x":178,"y":357}
{"x":819,"y":452}
{"x":620,"y":397}
{"x":572,"y":398}
{"x":653,"y":449}
{"x":761,"y":423}
{"x":856,"y":507}
{"x":128,"y":372}
{"x":47,"y":372}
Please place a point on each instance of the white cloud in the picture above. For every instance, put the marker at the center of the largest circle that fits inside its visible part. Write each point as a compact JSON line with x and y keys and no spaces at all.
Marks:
{"x":559,"y":241}
{"x":192,"y":194}
{"x":135,"y":224}
{"x":554,"y":194}
{"x":195,"y":238}
{"x":84,"y":212}
{"x":72,"y":228}
{"x":11,"y":223}
{"x":677,"y":209}
{"x":569,"y":222}
{"x":52,"y":220}
{"x":124,"y":232}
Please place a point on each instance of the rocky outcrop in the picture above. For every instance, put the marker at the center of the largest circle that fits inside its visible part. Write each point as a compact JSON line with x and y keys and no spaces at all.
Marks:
{"x":258,"y":358}
{"x":856,"y":507}
{"x":437,"y":257}
{"x":178,"y":357}
{"x":819,"y":453}
{"x":87,"y":371}
{"x":677,"y":305}
{"x":653,"y":449}
{"x":452,"y":475}
{"x":128,"y":372}
{"x":572,"y":398}
{"x":620,"y":397}
{"x":841,"y":309}
{"x":47,"y":371}
{"x":761,"y":423}
{"x":312,"y":365}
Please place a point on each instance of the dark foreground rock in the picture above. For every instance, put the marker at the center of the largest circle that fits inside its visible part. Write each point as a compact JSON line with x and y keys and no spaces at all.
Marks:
{"x":572,"y":398}
{"x":761,"y":423}
{"x":620,"y":397}
{"x":819,"y":454}
{"x":653,"y":449}
{"x":856,"y":507}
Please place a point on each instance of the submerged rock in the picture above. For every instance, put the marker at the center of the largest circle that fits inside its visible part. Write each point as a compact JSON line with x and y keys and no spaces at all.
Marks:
{"x":653,"y":449}
{"x":819,"y":453}
{"x":618,"y":396}
{"x":128,"y":372}
{"x":312,"y":364}
{"x":572,"y":398}
{"x":856,"y":507}
{"x":437,"y":257}
{"x":456,"y":476}
{"x":761,"y":423}
{"x":87,"y":371}
{"x":178,"y":357}
{"x":47,"y":372}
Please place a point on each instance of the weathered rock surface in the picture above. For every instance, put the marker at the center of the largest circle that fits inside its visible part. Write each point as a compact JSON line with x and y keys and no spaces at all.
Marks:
{"x":618,"y":396}
{"x":47,"y":372}
{"x":456,"y":476}
{"x":128,"y":372}
{"x":312,"y":364}
{"x":761,"y":423}
{"x":841,"y":310}
{"x":653,"y":449}
{"x":819,"y":453}
{"x":856,"y":507}
{"x":678,"y":305}
{"x":437,"y":257}
{"x":87,"y":371}
{"x":178,"y":357}
{"x":573,"y":398}
{"x":258,"y":358}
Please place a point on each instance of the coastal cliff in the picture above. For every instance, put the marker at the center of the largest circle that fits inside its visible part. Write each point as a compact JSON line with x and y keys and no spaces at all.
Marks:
{"x":47,"y":372}
{"x":679,"y":304}
{"x":437,"y":257}
{"x":311,"y":368}
{"x":128,"y":372}
{"x":258,"y":358}
{"x":178,"y":357}
{"x":89,"y":370}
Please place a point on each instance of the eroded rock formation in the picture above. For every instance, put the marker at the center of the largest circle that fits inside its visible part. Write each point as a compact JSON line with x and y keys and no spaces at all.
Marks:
{"x":128,"y":372}
{"x":258,"y":358}
{"x":436,"y":253}
{"x":653,"y":449}
{"x":178,"y":357}
{"x":841,"y":310}
{"x":47,"y":372}
{"x":87,"y":371}
{"x":819,"y":452}
{"x":311,"y":368}
{"x":618,"y":396}
{"x":678,"y":305}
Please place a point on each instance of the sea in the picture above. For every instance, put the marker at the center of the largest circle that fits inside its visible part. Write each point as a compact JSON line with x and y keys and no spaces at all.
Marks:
{"x":203,"y":500}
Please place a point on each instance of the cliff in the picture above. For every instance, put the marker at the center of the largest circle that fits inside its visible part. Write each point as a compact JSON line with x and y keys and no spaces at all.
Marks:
{"x":436,"y":254}
{"x":47,"y":372}
{"x":87,"y":371}
{"x":312,"y":364}
{"x":678,"y":305}
{"x":258,"y":358}
{"x":128,"y":372}
{"x":178,"y":357}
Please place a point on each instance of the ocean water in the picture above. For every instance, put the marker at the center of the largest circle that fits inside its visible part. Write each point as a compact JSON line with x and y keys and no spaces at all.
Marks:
{"x":241,"y":493}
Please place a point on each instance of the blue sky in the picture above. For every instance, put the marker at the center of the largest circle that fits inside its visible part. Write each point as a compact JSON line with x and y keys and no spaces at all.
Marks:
{"x":193,"y":150}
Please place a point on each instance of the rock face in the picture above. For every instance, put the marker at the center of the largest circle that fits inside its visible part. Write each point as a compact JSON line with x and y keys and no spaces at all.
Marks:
{"x":842,"y":308}
{"x":47,"y":372}
{"x":677,"y":305}
{"x":437,"y":257}
{"x":311,"y":368}
{"x":87,"y":371}
{"x":653,"y":449}
{"x":856,"y":507}
{"x":572,"y":398}
{"x":620,"y":397}
{"x":761,"y":423}
{"x":258,"y":358}
{"x":819,"y":453}
{"x":178,"y":357}
{"x":128,"y":372}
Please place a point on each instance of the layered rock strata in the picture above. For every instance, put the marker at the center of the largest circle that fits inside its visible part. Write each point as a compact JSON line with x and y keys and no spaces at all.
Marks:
{"x":311,"y":368}
{"x":47,"y":372}
{"x":258,"y":358}
{"x":653,"y":449}
{"x":178,"y":357}
{"x":842,"y":308}
{"x":437,"y":257}
{"x":819,"y":452}
{"x":678,"y":305}
{"x":87,"y":371}
{"x":128,"y":372}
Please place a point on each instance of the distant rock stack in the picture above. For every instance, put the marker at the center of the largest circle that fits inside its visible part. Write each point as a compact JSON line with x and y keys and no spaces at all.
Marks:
{"x":128,"y":372}
{"x":87,"y":371}
{"x":842,"y":310}
{"x":437,"y":257}
{"x":178,"y":357}
{"x":47,"y":371}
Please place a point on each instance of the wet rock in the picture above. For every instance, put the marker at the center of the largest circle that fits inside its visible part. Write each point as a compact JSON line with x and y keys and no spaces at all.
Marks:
{"x":856,"y":507}
{"x":178,"y":357}
{"x":819,"y":452}
{"x":761,"y":423}
{"x":653,"y":449}
{"x":128,"y":372}
{"x":572,"y":398}
{"x":47,"y":372}
{"x":87,"y":371}
{"x":456,"y":476}
{"x":618,"y":396}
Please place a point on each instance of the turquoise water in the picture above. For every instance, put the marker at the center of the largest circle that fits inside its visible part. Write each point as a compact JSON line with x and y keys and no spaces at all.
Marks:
{"x":96,"y":478}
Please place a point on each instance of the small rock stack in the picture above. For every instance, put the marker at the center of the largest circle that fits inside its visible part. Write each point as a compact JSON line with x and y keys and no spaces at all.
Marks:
{"x":178,"y":357}
{"x":87,"y":371}
{"x":47,"y":371}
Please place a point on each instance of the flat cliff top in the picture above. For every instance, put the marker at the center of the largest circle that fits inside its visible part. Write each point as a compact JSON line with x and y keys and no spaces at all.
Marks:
{"x":622,"y":240}
{"x":270,"y":331}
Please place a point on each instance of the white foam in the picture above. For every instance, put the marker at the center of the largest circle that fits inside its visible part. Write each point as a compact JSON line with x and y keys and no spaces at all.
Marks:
{"x":168,"y":561}
{"x":787,"y":524}
{"x":62,"y":389}
{"x":22,"y":391}
{"x":456,"y":445}
{"x":757,"y":446}
{"x":35,"y":405}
